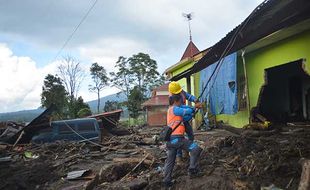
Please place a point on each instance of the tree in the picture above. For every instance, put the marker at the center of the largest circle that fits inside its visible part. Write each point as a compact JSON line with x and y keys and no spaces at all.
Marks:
{"x":84,"y":112}
{"x":72,"y":75}
{"x":111,"y":106}
{"x":159,"y":81}
{"x":76,"y":106}
{"x":122,"y":78}
{"x":136,"y":98}
{"x":136,"y":76}
{"x":53,"y":92}
{"x":144,"y":72}
{"x":100,"y":80}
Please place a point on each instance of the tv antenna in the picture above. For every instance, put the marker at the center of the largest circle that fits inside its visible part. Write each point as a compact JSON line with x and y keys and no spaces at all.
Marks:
{"x":189,"y":17}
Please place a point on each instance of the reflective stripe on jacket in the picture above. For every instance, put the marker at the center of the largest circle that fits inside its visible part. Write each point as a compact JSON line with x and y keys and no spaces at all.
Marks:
{"x":173,"y":120}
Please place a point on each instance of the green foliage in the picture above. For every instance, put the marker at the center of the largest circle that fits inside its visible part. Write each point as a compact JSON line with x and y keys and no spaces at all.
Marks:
{"x":136,"y":76}
{"x":84,"y":112}
{"x":53,"y":92}
{"x":75,"y":106}
{"x":111,"y":106}
{"x":143,"y":71}
{"x":122,"y":78}
{"x":135,"y":99}
{"x":100,"y":80}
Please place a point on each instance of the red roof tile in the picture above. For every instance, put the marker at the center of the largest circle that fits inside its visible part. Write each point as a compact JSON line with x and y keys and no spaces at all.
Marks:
{"x":157,"y":101}
{"x":190,"y":50}
{"x":163,"y":87}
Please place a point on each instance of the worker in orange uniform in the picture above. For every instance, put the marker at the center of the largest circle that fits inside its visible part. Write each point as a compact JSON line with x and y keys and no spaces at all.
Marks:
{"x":175,"y":115}
{"x":175,"y":88}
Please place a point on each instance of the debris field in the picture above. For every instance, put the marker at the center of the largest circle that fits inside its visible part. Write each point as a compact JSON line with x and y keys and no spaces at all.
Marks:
{"x":248,"y":160}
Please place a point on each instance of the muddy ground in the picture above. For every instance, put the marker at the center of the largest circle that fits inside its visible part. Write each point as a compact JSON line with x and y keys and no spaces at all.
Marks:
{"x":250,"y":160}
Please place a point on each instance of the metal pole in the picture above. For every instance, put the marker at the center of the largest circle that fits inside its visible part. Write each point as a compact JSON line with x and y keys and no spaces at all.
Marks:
{"x":246,"y":84}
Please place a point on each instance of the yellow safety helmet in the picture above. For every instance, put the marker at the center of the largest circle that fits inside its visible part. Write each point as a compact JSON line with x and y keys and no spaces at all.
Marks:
{"x":174,"y":87}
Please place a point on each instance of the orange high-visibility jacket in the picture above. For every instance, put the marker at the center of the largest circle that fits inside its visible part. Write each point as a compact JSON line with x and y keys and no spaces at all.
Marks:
{"x":174,"y":120}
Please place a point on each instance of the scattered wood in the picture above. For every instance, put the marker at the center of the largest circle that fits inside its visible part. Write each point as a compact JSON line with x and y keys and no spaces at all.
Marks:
{"x":254,"y":133}
{"x":80,"y":174}
{"x":5,"y":159}
{"x":135,"y":167}
{"x":304,"y":183}
{"x":133,"y":160}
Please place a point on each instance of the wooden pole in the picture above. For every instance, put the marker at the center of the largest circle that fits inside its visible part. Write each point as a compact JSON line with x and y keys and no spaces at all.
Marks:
{"x":246,"y":85}
{"x":188,"y":89}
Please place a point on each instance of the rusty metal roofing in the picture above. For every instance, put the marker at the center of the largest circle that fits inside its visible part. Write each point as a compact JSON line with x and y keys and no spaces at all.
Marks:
{"x":106,"y":113}
{"x":40,"y":122}
{"x":268,"y":17}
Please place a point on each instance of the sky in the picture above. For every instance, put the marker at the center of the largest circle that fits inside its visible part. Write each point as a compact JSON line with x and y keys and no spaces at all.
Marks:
{"x":32,"y":32}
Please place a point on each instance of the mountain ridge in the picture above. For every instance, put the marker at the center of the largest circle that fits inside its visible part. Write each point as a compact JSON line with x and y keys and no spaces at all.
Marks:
{"x":28,"y":115}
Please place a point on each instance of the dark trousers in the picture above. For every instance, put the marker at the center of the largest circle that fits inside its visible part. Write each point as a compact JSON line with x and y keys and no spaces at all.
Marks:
{"x":180,"y":143}
{"x":190,"y":134}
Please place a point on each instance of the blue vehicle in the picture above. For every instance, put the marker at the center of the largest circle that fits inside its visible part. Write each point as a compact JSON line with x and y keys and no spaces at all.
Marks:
{"x":71,"y":130}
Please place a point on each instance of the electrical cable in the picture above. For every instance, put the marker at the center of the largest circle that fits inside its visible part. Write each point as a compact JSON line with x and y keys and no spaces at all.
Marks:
{"x":84,"y":139}
{"x":75,"y":29}
{"x":227,"y":49}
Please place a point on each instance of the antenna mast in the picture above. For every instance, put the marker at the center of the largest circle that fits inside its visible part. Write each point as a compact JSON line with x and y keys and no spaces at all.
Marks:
{"x":189,"y":17}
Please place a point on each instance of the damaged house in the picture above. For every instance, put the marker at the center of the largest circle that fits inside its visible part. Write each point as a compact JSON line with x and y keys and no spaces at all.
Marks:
{"x":156,"y":107}
{"x":258,"y":71}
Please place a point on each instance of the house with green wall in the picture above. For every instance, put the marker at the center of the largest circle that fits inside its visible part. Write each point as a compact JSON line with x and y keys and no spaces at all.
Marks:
{"x":272,"y":50}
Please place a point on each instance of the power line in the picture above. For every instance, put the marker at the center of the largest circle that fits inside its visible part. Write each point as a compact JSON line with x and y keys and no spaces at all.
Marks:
{"x":227,"y":49}
{"x":75,"y":29}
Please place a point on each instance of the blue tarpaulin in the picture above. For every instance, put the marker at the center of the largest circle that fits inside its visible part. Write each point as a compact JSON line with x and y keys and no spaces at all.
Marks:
{"x":221,"y":92}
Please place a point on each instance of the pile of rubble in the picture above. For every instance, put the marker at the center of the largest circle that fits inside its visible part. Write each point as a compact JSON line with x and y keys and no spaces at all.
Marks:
{"x":255,"y":161}
{"x":135,"y":161}
{"x":50,"y":165}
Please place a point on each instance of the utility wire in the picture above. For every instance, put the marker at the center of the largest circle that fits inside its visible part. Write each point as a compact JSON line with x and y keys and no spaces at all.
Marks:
{"x":75,"y":29}
{"x":227,"y":49}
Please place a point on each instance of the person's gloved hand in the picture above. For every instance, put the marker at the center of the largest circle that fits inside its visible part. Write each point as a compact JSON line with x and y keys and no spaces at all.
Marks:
{"x":198,"y":105}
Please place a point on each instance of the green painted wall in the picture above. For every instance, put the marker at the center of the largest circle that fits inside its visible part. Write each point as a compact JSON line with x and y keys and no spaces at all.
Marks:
{"x":284,"y":51}
{"x":180,"y":70}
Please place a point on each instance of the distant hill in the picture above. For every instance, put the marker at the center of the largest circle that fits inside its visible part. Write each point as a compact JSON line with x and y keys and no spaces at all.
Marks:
{"x":113,"y":97}
{"x":28,"y":115}
{"x":21,"y":116}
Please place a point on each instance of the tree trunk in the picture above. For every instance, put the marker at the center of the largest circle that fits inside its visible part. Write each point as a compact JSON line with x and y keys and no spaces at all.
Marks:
{"x":98,"y":105}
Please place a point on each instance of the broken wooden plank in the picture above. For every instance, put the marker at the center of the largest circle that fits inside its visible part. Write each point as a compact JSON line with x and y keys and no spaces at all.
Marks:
{"x":132,"y":160}
{"x":304,"y":183}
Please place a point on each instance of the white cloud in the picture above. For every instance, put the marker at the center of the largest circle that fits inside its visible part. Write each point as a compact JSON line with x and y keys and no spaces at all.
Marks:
{"x":107,"y":50}
{"x":20,"y":80}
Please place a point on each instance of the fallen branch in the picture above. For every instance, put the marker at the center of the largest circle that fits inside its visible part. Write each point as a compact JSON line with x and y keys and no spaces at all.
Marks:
{"x":18,"y":139}
{"x":135,"y":167}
